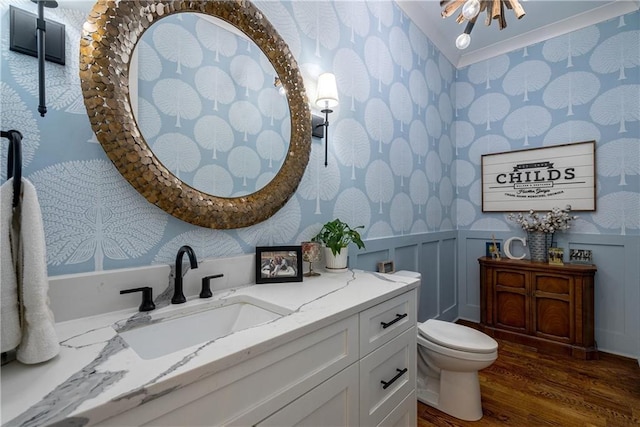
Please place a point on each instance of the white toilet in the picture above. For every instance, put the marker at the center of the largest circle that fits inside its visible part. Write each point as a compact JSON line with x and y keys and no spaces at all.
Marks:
{"x":449,"y":358}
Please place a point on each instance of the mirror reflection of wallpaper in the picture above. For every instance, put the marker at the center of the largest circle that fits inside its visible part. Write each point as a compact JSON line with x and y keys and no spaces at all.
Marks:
{"x":208,"y":107}
{"x":404,"y":143}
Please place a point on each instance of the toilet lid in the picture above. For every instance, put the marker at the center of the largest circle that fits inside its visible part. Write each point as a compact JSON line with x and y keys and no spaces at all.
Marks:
{"x":457,"y":337}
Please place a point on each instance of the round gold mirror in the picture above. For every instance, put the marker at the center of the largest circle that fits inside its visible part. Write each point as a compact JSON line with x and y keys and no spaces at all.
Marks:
{"x":108,"y":39}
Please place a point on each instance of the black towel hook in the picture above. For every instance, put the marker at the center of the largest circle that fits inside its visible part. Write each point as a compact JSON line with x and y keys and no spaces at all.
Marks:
{"x":14,"y":162}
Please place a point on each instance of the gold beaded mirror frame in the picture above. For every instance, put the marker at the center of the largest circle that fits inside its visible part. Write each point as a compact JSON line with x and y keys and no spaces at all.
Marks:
{"x":109,"y":37}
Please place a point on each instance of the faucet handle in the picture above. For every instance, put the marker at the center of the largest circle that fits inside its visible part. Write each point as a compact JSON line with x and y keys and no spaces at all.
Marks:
{"x":206,"y":285}
{"x":147,"y":297}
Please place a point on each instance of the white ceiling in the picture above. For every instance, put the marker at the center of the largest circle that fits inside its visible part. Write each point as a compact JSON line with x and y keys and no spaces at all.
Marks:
{"x":544,"y":19}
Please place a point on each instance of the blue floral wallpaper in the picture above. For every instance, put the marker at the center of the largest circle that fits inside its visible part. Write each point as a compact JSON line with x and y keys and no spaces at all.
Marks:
{"x":405,"y":141}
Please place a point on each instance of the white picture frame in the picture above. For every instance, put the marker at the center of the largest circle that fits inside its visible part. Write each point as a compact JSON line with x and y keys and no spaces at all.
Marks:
{"x":540,"y":179}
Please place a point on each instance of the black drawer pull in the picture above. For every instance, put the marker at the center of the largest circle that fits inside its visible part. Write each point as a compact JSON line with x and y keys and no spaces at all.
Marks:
{"x":397,"y":319}
{"x":400,"y":372}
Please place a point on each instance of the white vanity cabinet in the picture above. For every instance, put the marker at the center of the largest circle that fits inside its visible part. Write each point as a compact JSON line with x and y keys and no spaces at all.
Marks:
{"x":332,"y":376}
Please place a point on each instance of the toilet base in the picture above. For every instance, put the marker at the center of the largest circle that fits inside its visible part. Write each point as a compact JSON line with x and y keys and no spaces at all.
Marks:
{"x":456,"y":394}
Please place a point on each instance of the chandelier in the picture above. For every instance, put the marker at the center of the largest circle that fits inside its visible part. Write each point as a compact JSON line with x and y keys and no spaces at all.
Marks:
{"x":472,"y":8}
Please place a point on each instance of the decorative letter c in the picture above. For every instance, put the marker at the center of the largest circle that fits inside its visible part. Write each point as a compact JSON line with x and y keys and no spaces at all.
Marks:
{"x":507,"y":246}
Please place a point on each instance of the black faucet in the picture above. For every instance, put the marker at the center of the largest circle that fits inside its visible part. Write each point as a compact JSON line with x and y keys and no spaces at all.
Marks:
{"x":178,"y":295}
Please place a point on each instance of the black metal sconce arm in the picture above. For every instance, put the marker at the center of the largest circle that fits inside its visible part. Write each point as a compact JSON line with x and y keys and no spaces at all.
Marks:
{"x":41,"y":27}
{"x":321,"y":129}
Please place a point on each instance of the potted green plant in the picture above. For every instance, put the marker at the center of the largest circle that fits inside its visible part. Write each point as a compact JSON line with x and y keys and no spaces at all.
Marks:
{"x":336,"y":236}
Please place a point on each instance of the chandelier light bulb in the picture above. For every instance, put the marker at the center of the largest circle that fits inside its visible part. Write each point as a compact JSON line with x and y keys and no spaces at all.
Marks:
{"x":463,"y":41}
{"x":471,"y":9}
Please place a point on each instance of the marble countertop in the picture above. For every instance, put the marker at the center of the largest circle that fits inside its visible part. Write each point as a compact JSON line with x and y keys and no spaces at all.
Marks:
{"x":97,"y":375}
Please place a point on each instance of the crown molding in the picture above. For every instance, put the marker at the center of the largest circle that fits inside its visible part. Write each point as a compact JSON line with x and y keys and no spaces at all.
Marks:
{"x":577,"y":22}
{"x":460,"y":59}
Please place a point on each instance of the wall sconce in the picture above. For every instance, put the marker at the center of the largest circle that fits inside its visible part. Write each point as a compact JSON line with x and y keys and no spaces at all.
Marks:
{"x":326,"y":98}
{"x":27,"y":34}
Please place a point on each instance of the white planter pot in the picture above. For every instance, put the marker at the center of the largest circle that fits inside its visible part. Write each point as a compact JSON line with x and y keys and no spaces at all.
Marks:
{"x":336,"y":262}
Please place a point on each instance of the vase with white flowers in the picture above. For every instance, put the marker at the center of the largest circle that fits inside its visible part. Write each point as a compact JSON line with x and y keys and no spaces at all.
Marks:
{"x":540,"y":228}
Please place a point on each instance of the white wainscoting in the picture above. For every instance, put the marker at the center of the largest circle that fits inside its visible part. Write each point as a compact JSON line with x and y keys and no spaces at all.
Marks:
{"x":431,"y":254}
{"x":448,"y":262}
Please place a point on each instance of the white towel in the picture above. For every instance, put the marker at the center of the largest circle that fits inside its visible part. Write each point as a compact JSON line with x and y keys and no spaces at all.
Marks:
{"x":39,"y":340}
{"x":9,"y":303}
{"x":26,"y":262}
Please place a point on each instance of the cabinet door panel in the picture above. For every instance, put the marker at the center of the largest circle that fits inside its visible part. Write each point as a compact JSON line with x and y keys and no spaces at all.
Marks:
{"x":511,"y":279}
{"x":553,"y":319}
{"x":553,"y":284}
{"x":332,"y":403}
{"x":552,"y":296}
{"x":511,"y":310}
{"x":510,"y":299}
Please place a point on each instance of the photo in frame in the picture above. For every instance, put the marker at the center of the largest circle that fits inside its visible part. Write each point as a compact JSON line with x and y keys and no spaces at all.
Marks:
{"x":580,"y":256}
{"x":492,"y":250}
{"x":556,"y":256}
{"x":278,"y":264}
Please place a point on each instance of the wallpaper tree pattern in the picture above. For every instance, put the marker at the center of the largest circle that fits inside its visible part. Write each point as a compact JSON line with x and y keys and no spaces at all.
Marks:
{"x":404,"y":144}
{"x":581,"y":86}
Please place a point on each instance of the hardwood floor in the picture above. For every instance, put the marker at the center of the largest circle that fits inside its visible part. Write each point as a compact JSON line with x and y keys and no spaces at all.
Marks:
{"x":527,"y":388}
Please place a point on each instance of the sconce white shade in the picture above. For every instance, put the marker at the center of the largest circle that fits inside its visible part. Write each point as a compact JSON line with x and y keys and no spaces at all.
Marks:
{"x":327,"y":96}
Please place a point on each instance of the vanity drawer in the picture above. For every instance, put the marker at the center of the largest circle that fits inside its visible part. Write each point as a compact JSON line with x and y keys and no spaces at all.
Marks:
{"x":383,"y":322}
{"x":405,"y":414}
{"x":392,"y":366}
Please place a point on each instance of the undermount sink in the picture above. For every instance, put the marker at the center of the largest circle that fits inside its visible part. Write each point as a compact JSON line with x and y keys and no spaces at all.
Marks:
{"x":186,"y":325}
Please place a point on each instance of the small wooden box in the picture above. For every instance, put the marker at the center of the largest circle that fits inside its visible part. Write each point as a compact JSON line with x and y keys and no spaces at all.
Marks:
{"x":386,"y":267}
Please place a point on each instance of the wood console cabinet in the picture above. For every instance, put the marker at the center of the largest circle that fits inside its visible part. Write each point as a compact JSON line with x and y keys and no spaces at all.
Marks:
{"x":546,"y":306}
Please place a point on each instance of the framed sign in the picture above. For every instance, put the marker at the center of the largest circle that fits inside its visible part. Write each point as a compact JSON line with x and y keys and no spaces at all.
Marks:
{"x":540,"y":178}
